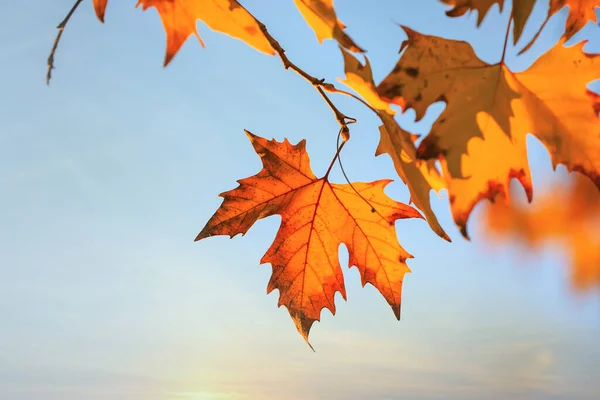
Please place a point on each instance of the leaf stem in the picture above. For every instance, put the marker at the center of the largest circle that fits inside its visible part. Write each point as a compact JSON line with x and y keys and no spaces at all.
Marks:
{"x":510,"y":19}
{"x":319,"y":84}
{"x":535,"y":37}
{"x":355,"y":97}
{"x":61,"y":28}
{"x":345,"y":133}
{"x":339,"y":159}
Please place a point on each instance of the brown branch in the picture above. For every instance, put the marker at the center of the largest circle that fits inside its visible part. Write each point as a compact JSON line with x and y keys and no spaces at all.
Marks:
{"x":322,"y":87}
{"x":61,"y":28}
{"x":319,"y":84}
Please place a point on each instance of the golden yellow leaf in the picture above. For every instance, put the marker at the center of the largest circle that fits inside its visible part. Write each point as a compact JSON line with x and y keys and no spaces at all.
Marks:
{"x":480,"y":136}
{"x":100,"y":8}
{"x":360,"y":79}
{"x":569,"y":214}
{"x":317,"y":216}
{"x":462,"y":6}
{"x":420,"y":176}
{"x":321,"y":17}
{"x":226,"y":16}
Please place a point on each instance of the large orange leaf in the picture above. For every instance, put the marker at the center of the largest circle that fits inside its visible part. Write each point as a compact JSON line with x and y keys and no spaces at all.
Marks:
{"x":461,"y":7}
{"x":317,"y":216}
{"x":420,"y":176}
{"x":569,"y":214}
{"x":480,"y":136}
{"x":226,"y":16}
{"x":321,"y":16}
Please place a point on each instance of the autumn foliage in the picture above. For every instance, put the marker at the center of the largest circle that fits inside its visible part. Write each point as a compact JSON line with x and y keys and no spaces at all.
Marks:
{"x":478,"y":142}
{"x":317,"y":216}
{"x":567,"y":213}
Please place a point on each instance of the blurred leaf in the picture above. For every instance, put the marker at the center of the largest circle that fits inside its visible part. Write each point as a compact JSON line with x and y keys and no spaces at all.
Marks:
{"x":569,"y":214}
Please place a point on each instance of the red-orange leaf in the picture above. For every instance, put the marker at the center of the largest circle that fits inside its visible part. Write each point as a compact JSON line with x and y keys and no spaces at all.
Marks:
{"x":580,"y":12}
{"x":317,"y":216}
{"x":100,"y":8}
{"x":226,"y":16}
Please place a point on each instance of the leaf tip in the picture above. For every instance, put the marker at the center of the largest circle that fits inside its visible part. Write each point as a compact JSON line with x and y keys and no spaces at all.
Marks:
{"x":200,"y":236}
{"x":250,"y":135}
{"x":303,"y":325}
{"x":100,"y":9}
{"x":463,"y":230}
{"x":168,"y":57}
{"x":397,"y":310}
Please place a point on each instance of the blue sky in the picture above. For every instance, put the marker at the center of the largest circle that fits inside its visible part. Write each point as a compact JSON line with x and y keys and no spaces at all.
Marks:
{"x":108,"y":175}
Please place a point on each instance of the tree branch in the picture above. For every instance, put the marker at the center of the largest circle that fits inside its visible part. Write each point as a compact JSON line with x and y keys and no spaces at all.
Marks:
{"x":61,"y":28}
{"x":319,"y":84}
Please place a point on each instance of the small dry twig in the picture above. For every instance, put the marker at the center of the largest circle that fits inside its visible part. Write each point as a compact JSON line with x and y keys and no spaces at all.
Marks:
{"x":61,"y":28}
{"x":319,"y":84}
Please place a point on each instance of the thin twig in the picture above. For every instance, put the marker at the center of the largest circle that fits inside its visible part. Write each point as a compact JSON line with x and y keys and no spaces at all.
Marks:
{"x":61,"y":28}
{"x":319,"y":84}
{"x":510,"y":20}
{"x":338,"y":115}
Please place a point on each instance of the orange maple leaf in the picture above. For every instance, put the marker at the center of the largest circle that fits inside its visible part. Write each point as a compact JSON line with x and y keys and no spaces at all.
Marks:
{"x":480,"y":136}
{"x":179,"y":20}
{"x":317,"y":216}
{"x":580,"y":12}
{"x":569,"y":214}
{"x":226,"y":16}
{"x":321,"y":16}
